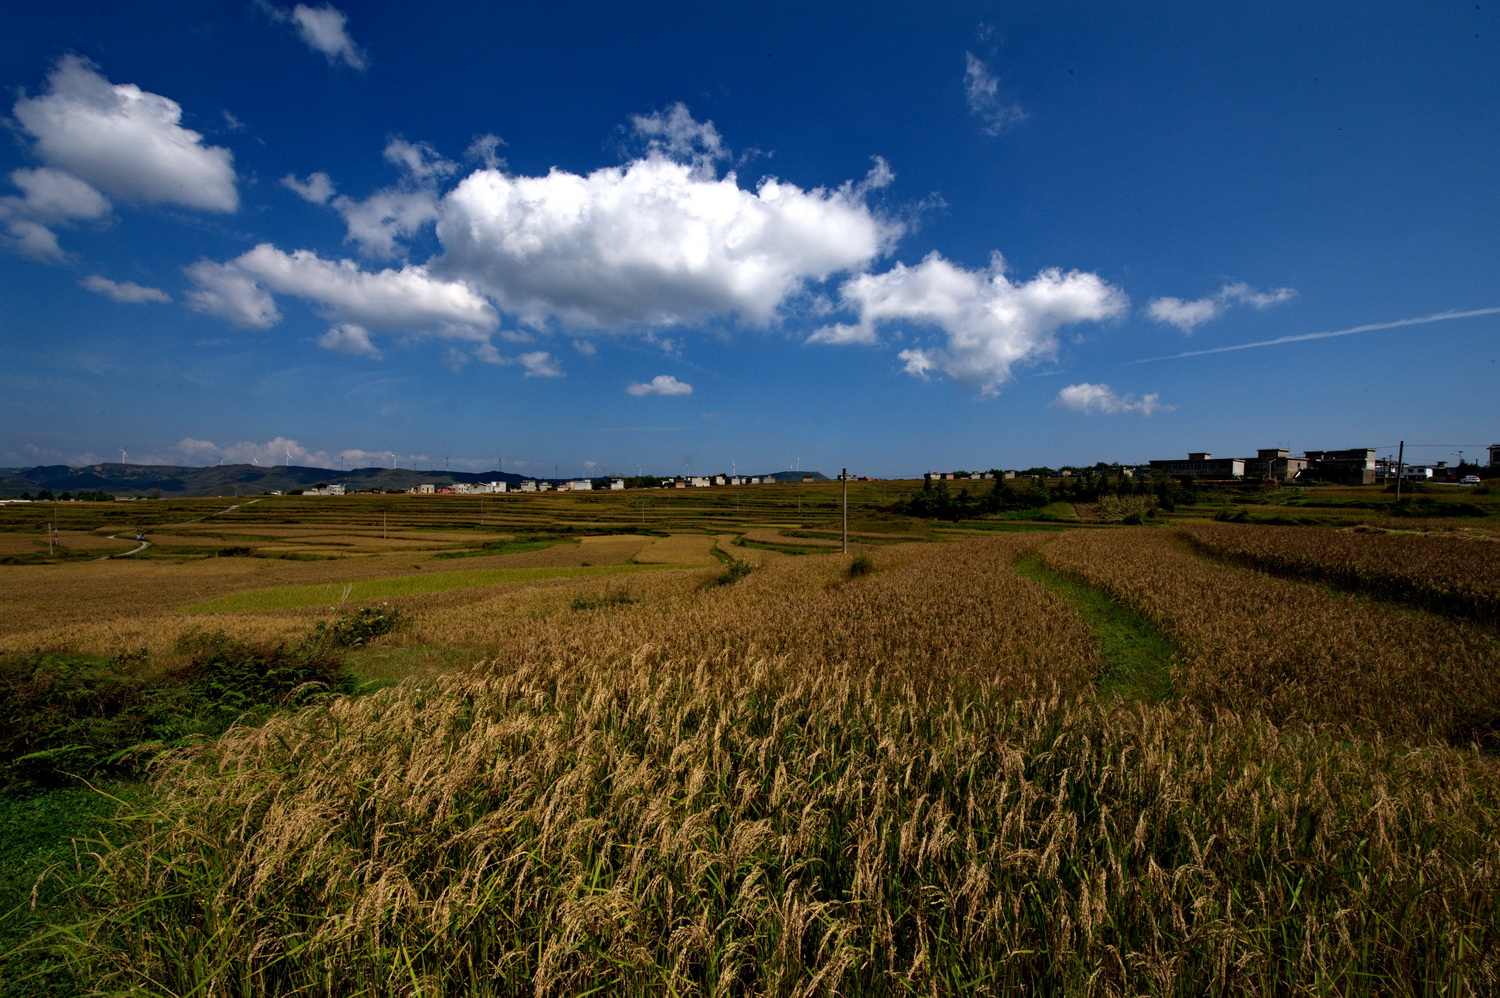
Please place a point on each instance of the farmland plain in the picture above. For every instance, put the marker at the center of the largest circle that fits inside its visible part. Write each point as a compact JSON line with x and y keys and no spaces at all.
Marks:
{"x":677,"y":743}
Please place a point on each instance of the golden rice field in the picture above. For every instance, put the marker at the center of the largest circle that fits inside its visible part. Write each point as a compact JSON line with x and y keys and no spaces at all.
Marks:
{"x":1455,"y":575}
{"x":810,"y":781}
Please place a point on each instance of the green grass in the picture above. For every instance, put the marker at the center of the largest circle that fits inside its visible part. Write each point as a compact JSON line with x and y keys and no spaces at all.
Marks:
{"x":290,"y":597}
{"x":1138,"y":658}
{"x":37,"y":855}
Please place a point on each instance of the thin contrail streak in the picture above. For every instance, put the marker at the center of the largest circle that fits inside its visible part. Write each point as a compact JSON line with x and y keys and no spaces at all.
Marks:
{"x":1420,"y":320}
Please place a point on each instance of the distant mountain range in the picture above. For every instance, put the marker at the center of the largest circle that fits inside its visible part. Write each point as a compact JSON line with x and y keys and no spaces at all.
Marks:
{"x":248,"y":479}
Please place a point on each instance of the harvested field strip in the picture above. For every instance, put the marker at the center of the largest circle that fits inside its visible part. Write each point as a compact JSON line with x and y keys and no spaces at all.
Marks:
{"x":402,"y":585}
{"x":1138,"y":658}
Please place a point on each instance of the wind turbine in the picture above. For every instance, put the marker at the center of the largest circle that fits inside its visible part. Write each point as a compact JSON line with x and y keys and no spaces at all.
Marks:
{"x":288,"y":457}
{"x":393,"y":459}
{"x":122,"y":455}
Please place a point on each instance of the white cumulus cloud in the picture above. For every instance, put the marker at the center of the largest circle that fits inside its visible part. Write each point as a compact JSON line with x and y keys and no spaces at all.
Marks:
{"x":124,"y":141}
{"x":662,"y":384}
{"x":1188,"y":314}
{"x":126,"y":292}
{"x":656,"y":242}
{"x":1100,"y":398}
{"x":989,"y":323}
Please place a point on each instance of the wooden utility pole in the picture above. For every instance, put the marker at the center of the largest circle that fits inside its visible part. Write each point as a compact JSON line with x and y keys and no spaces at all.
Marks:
{"x":1400,"y":468}
{"x":844,"y":480}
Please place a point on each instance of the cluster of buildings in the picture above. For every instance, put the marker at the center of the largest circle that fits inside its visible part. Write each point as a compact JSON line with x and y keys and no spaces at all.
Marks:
{"x":1357,"y":466}
{"x":576,"y":485}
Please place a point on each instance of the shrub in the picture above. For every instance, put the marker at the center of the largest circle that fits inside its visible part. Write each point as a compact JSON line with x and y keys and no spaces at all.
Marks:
{"x":860,"y":565}
{"x":353,"y":629}
{"x":733,"y":572}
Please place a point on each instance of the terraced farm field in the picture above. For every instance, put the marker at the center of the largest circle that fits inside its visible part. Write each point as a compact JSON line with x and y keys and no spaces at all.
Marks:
{"x":683,"y":745}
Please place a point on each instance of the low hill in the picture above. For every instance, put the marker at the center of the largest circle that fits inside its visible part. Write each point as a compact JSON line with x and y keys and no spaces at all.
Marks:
{"x":124,"y":480}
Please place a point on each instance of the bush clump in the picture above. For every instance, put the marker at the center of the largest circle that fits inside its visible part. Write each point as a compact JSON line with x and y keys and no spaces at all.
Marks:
{"x":735,"y":570}
{"x":81,"y":715}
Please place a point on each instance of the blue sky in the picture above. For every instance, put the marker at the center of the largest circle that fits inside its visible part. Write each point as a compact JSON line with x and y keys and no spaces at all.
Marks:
{"x":599,"y":237}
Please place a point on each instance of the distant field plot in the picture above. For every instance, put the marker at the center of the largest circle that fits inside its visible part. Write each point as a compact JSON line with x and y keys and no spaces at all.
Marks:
{"x":777,"y":537}
{"x":366,"y":590}
{"x":678,"y":549}
{"x":17,"y":544}
{"x":77,"y":541}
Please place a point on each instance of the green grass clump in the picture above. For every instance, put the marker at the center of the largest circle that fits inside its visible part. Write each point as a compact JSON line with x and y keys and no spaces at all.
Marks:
{"x":64,"y":716}
{"x":861,"y":565}
{"x":38,"y":861}
{"x":734,"y":571}
{"x":615,"y":597}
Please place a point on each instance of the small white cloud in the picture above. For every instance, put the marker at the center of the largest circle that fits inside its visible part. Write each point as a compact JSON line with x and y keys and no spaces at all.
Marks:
{"x":317,"y":188}
{"x":1099,"y":398}
{"x":124,"y":291}
{"x":843,"y":334}
{"x":1244,"y":293}
{"x":419,"y":159}
{"x":540,"y":364}
{"x":1187,"y":315}
{"x":377,"y":223}
{"x":483,"y":149}
{"x":662,"y":384}
{"x":982,"y":88}
{"x":124,"y":141}
{"x":674,"y":134}
{"x":48,"y":198}
{"x":349,"y":340}
{"x":34,"y":240}
{"x":325,"y":29}
{"x":54,"y":196}
{"x":586,"y":347}
{"x":990,"y":323}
